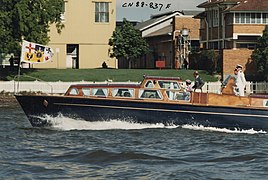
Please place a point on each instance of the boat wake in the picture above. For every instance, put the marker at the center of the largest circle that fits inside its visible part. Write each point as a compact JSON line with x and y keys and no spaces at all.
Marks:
{"x":223,"y":130}
{"x":66,"y":124}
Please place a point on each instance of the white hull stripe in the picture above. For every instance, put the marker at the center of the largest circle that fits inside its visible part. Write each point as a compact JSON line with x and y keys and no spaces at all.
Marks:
{"x":163,"y":110}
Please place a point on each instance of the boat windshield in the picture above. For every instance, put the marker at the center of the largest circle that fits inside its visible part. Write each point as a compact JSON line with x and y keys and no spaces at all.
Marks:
{"x":169,"y":85}
{"x":74,"y":91}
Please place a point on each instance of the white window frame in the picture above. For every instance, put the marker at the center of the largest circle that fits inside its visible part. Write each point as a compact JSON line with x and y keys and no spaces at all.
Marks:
{"x":250,"y":18}
{"x":102,"y":12}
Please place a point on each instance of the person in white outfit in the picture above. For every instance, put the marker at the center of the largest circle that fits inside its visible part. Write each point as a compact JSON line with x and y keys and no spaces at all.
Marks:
{"x":240,"y":80}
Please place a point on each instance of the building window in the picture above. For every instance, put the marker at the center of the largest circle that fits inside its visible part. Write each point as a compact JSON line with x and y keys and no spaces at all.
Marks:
{"x":265,"y":18}
{"x":215,"y":16}
{"x":62,"y":16}
{"x":258,"y":15}
{"x":229,"y":19}
{"x":243,"y":18}
{"x":209,"y":18}
{"x":248,"y":18}
{"x":251,"y":18}
{"x":237,"y":18}
{"x":247,"y":45}
{"x":101,"y":12}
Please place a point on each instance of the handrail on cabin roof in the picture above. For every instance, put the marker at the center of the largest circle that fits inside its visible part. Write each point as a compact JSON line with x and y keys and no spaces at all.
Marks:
{"x":161,"y":77}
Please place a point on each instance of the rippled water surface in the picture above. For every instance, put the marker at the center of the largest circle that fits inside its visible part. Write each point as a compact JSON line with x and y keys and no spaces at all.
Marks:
{"x":119,"y":150}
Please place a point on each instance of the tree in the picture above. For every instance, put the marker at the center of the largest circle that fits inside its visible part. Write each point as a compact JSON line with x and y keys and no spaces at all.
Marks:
{"x":127,"y":43}
{"x":29,"y":19}
{"x":212,"y":59}
{"x":260,"y":54}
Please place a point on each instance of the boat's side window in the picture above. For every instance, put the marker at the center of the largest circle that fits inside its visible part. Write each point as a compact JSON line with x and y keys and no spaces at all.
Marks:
{"x":100,"y":92}
{"x":86,"y":91}
{"x":169,"y":84}
{"x":149,"y":84}
{"x":175,"y":95}
{"x":123,"y":92}
{"x":265,"y":103}
{"x":74,"y":92}
{"x":152,"y":94}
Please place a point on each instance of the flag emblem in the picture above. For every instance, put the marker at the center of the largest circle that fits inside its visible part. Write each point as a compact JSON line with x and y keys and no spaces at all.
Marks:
{"x":35,"y":53}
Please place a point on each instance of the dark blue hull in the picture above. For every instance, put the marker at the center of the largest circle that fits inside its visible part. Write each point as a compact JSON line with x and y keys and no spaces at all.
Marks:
{"x":103,"y":109}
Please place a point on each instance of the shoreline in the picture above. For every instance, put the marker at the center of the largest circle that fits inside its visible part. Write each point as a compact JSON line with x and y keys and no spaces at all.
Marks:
{"x":7,"y":100}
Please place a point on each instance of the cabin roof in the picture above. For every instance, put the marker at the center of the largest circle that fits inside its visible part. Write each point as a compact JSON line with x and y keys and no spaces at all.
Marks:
{"x":125,"y":85}
{"x":162,"y":78}
{"x":136,"y":85}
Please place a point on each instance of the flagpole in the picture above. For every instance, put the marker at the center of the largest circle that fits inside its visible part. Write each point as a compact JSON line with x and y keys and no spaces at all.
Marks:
{"x":18,"y":83}
{"x":19,"y":64}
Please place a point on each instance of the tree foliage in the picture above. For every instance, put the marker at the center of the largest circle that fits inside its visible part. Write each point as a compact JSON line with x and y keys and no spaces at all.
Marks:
{"x":30,"y":19}
{"x":127,"y":42}
{"x":260,"y":54}
{"x":212,"y":59}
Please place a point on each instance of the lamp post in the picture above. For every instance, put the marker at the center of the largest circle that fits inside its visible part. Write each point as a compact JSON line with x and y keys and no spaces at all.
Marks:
{"x":183,"y":43}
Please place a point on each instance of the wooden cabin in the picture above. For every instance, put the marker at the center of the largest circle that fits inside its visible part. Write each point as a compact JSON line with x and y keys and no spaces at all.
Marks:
{"x":166,"y":90}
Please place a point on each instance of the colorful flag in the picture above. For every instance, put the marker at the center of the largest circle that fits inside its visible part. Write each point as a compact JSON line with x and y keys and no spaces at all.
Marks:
{"x":35,"y":53}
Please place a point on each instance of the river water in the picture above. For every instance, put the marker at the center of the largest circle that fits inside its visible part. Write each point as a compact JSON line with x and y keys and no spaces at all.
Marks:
{"x":118,"y":150}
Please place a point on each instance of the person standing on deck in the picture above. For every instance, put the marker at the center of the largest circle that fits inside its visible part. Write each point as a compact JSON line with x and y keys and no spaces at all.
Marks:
{"x":198,"y":83}
{"x":240,"y":80}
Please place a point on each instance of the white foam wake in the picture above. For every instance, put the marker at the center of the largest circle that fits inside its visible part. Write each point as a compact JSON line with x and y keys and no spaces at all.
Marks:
{"x":224,"y":130}
{"x":66,"y":124}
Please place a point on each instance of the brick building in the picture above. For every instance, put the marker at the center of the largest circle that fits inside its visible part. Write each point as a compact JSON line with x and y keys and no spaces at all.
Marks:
{"x":164,"y":32}
{"x":233,"y":27}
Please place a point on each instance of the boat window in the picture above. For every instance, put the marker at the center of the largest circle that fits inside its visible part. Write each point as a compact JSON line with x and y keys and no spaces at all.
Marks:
{"x":123,"y":92}
{"x":175,"y":95}
{"x":74,"y":91}
{"x":265,"y":103}
{"x":149,"y":84}
{"x":169,"y":84}
{"x":100,"y":92}
{"x":154,"y":94}
{"x":86,"y":91}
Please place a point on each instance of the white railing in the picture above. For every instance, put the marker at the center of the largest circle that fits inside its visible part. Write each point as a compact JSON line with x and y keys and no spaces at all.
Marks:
{"x":251,"y":87}
{"x":61,"y":87}
{"x":37,"y":86}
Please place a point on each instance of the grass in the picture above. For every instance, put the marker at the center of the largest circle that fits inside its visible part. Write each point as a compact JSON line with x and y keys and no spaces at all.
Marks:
{"x":99,"y":74}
